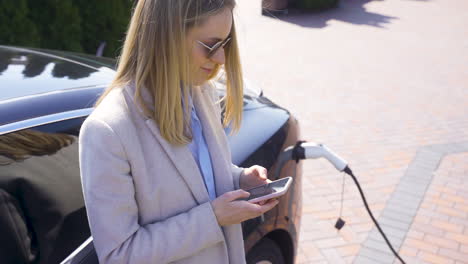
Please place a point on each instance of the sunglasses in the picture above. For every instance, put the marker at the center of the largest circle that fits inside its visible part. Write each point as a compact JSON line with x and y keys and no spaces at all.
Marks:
{"x":213,"y":49}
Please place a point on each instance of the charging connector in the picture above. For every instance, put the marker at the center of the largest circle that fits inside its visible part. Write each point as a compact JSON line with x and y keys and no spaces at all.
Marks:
{"x":308,"y":150}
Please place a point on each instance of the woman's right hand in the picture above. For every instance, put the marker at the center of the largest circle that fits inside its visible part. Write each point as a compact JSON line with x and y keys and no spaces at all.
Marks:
{"x":228,"y":211}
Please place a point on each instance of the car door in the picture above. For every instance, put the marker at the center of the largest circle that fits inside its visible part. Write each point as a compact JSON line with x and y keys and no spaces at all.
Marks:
{"x":42,"y":213}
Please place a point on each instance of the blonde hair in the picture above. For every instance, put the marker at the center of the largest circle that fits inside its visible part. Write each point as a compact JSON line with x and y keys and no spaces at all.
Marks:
{"x":155,"y":56}
{"x":21,"y":145}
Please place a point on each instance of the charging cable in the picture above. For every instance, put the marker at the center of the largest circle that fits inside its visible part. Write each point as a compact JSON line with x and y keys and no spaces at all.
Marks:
{"x":308,"y":150}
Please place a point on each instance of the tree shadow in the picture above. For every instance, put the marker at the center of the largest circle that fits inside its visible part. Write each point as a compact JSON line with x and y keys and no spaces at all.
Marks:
{"x":350,"y":11}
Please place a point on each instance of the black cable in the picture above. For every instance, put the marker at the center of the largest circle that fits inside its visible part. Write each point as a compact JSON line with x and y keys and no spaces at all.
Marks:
{"x":348,"y":171}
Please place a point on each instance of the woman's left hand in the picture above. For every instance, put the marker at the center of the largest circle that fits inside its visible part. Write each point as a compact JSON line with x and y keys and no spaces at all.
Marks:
{"x":253,"y":177}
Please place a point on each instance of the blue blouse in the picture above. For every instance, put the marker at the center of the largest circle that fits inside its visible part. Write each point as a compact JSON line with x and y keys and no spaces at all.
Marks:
{"x":201,"y":154}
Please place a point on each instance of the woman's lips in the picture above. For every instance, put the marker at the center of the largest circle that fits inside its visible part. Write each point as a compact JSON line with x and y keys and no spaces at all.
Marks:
{"x":207,"y":70}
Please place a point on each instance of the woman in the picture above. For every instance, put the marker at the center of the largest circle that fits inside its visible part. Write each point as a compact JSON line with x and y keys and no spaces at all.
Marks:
{"x":156,"y":169}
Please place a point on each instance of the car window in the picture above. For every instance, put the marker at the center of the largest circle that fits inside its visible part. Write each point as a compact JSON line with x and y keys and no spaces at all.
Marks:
{"x":42,"y":213}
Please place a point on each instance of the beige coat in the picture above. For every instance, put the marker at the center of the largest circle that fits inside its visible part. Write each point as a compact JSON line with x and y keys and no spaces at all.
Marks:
{"x":146,"y":199}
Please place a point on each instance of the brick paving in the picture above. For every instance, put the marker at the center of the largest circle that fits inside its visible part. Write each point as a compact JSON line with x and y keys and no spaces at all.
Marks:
{"x":377,"y":82}
{"x":405,"y":209}
{"x":442,"y":219}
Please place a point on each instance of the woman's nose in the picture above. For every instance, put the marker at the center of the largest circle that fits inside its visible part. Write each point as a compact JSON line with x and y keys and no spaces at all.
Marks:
{"x":219,"y":57}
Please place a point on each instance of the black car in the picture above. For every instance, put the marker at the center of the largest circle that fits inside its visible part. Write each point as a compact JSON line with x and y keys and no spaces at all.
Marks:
{"x":44,"y":98}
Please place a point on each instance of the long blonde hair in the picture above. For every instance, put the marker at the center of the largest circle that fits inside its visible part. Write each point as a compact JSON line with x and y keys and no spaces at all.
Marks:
{"x":21,"y":145}
{"x":155,"y":56}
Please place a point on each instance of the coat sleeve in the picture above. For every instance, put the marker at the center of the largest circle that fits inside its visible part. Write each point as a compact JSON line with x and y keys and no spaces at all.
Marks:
{"x":236,"y":174}
{"x":16,"y":242}
{"x":113,"y":215}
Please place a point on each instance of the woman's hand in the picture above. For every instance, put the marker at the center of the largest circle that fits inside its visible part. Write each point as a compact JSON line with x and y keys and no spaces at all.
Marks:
{"x":253,"y":177}
{"x":228,"y":211}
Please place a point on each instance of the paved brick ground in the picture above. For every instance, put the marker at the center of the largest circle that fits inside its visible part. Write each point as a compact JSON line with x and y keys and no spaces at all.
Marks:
{"x":439,"y":233}
{"x":376,"y":81}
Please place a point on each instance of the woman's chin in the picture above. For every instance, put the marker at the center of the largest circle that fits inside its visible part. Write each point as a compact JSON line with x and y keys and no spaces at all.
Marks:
{"x":200,"y":82}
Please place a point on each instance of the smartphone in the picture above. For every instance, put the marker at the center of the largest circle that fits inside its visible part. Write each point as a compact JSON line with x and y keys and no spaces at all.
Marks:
{"x":268,"y":191}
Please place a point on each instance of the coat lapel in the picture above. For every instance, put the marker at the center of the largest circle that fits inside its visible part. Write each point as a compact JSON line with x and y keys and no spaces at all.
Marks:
{"x":221,"y":161}
{"x":183,"y":160}
{"x":180,"y":156}
{"x":214,"y":135}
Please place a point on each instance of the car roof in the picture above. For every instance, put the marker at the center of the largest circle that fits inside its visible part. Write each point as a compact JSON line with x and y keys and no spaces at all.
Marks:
{"x":27,"y":72}
{"x":37,"y":83}
{"x":39,"y":86}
